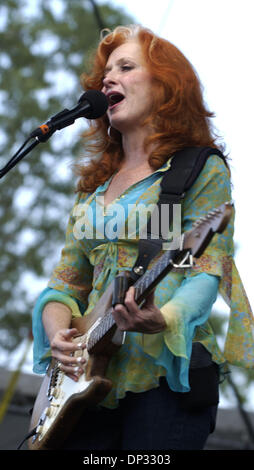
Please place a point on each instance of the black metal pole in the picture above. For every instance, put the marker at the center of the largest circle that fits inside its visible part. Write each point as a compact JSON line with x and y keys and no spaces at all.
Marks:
{"x":97,"y":15}
{"x":13,"y":162}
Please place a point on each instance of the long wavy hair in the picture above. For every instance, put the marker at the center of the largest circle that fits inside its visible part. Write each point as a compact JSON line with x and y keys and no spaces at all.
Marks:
{"x":179,"y":117}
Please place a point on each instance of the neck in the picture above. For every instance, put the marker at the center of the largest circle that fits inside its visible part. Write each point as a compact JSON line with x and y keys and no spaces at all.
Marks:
{"x":134,"y":152}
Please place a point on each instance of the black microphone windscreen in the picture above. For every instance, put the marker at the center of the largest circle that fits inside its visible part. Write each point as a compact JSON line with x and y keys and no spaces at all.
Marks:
{"x":98,"y":102}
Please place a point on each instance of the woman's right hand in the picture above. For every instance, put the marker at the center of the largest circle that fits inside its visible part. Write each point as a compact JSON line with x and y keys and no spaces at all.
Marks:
{"x":63,"y":349}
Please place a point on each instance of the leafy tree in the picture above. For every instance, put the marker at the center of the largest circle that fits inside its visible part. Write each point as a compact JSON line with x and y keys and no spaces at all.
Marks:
{"x":44,"y":48}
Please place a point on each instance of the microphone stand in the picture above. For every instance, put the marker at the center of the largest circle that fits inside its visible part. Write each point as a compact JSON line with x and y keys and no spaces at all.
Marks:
{"x":43,"y":133}
{"x":16,"y":158}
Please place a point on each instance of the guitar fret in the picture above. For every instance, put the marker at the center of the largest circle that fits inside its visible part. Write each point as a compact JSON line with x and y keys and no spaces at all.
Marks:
{"x":138,"y":291}
{"x":143,"y":283}
{"x":141,"y":286}
{"x":102,"y":328}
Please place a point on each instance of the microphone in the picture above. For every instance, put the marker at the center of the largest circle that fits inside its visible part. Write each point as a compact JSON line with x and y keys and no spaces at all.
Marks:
{"x":91,"y":105}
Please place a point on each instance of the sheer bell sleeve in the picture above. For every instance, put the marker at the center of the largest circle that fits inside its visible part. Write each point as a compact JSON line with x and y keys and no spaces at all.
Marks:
{"x":70,"y":284}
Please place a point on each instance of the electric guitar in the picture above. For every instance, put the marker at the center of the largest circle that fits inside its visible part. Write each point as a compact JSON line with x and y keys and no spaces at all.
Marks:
{"x":60,"y":400}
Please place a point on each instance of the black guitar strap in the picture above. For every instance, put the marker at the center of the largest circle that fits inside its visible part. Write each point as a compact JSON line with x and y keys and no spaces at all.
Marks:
{"x":185,"y":167}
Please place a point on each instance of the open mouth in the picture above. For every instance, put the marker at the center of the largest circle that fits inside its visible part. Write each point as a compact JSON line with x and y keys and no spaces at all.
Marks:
{"x":114,"y":99}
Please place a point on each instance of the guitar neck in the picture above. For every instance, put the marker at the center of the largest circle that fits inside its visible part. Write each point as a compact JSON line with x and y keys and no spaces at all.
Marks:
{"x":143,"y":286}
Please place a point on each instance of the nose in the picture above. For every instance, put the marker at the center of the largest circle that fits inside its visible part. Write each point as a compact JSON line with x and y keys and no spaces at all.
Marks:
{"x":109,"y":80}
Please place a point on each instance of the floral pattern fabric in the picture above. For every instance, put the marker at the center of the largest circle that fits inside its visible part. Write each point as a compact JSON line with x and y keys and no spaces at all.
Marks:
{"x":89,"y":264}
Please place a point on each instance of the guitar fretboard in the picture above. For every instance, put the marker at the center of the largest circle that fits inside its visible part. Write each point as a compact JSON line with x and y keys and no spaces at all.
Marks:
{"x":106,"y":323}
{"x":153,"y":275}
{"x":142,"y":287}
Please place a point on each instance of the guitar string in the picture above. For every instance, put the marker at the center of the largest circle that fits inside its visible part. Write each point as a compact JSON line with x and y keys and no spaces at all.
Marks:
{"x":140,"y":286}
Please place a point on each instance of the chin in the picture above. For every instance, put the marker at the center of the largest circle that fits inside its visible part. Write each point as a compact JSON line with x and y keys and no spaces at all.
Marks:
{"x":123,"y":125}
{"x":119,"y":125}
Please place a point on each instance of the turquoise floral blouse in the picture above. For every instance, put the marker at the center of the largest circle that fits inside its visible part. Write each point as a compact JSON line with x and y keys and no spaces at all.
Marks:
{"x":100,"y":242}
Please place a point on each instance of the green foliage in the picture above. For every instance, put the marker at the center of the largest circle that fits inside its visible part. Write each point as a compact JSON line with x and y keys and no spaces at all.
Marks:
{"x":44,"y":48}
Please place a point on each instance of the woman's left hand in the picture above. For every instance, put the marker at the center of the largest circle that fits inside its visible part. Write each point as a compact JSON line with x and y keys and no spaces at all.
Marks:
{"x":147,"y":319}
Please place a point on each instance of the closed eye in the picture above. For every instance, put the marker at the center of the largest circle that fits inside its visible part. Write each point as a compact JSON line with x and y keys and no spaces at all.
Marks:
{"x":123,"y":68}
{"x":121,"y":65}
{"x":126,"y":68}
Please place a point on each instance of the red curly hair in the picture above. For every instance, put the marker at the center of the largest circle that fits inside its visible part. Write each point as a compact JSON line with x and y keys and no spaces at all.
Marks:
{"x":179,"y":117}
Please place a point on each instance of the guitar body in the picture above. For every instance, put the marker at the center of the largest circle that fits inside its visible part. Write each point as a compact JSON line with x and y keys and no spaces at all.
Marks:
{"x":55,"y":416}
{"x":61,"y":400}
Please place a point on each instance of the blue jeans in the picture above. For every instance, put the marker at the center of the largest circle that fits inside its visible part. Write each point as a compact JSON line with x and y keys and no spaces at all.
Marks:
{"x":152,"y":420}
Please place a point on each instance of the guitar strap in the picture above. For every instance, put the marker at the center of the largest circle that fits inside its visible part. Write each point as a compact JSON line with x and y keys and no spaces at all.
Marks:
{"x":185,"y":167}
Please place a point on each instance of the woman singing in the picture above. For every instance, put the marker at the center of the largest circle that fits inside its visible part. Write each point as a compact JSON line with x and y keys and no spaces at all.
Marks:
{"x":155,"y":109}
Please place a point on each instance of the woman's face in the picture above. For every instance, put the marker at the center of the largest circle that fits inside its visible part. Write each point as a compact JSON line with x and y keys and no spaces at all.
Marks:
{"x":128,"y":86}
